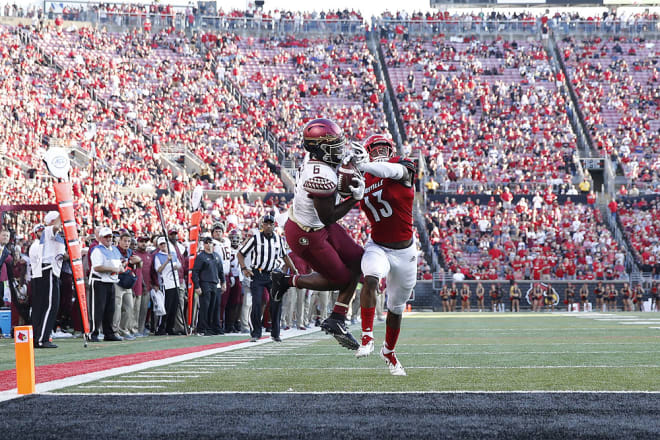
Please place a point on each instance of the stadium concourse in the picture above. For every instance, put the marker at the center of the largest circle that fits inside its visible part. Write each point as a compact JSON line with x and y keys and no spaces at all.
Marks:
{"x":537,"y":139}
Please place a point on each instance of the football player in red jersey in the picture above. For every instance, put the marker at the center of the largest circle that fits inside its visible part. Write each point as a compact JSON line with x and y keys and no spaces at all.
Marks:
{"x":312,"y":232}
{"x":391,"y":250}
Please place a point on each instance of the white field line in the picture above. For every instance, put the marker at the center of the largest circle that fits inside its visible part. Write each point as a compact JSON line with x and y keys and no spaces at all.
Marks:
{"x":122,"y":386}
{"x":179,"y":371}
{"x":218,"y":361}
{"x":638,"y":322}
{"x":526,"y":330}
{"x":476,"y":353}
{"x":322,"y":393}
{"x":142,"y":381}
{"x":90,"y":377}
{"x":408,"y":367}
{"x":160,"y":373}
{"x":535,"y":343}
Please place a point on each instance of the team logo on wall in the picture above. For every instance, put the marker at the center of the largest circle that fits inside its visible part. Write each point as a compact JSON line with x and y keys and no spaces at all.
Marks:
{"x":554,"y":297}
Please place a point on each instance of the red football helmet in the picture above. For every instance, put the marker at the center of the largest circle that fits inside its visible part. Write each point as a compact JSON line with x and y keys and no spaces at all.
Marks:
{"x":324,"y":140}
{"x":379,"y":147}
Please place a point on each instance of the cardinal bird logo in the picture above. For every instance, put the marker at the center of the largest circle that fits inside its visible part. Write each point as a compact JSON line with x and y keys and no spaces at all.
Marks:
{"x":21,"y":336}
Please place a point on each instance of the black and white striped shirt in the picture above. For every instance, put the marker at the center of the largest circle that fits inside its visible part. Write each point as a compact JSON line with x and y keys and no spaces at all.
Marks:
{"x":266,"y":252}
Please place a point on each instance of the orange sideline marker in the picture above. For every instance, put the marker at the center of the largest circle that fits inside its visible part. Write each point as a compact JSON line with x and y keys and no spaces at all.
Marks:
{"x":24,"y":359}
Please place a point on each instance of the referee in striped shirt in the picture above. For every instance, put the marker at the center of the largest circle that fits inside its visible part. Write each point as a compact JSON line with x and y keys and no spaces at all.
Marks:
{"x":265,"y":249}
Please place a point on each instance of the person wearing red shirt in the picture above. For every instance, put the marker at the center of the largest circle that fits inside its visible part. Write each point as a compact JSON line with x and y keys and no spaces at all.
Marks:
{"x":507,"y":198}
{"x":591,"y":198}
{"x":391,"y":251}
{"x":613,"y":206}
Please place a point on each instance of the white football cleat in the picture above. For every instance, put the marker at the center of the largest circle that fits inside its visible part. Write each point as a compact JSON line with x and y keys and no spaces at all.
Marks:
{"x":366,"y":348}
{"x":396,"y":369}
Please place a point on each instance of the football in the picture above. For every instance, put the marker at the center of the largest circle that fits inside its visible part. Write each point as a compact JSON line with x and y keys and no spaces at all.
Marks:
{"x":345,"y":175}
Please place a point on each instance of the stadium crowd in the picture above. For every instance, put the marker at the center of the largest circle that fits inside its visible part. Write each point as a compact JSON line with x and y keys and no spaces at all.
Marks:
{"x":533,"y":239}
{"x":131,"y":104}
{"x":483,"y":110}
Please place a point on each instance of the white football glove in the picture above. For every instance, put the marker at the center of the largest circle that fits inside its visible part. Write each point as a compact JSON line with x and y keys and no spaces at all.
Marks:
{"x":355,"y":152}
{"x":233,"y":281}
{"x":357,"y":190}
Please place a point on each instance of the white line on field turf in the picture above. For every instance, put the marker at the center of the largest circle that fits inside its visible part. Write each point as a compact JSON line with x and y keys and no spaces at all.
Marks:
{"x":90,"y":377}
{"x":321,"y":393}
{"x":408,"y":367}
{"x":121,"y":386}
{"x":476,"y":353}
{"x":143,"y":381}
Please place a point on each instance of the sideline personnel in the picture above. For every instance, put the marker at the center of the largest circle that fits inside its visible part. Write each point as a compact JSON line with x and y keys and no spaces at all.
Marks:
{"x":46,"y":268}
{"x":105,"y":260}
{"x":266,"y":248}
{"x":207,"y":274}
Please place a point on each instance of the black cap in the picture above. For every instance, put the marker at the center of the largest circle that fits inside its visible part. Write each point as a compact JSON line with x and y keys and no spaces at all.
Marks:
{"x":268,"y":218}
{"x":207,"y":240}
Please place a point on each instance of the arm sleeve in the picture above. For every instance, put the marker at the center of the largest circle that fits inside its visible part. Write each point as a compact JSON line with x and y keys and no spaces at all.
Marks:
{"x":221,"y":271}
{"x":247,"y":247}
{"x":96,"y":258}
{"x":385,"y":170}
{"x":197,"y":267}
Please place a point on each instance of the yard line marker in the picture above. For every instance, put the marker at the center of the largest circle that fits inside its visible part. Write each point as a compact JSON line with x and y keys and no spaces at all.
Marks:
{"x":164,"y":373}
{"x":143,"y":381}
{"x":90,"y":377}
{"x":522,"y":367}
{"x":321,"y":393}
{"x":535,"y":343}
{"x":121,"y":386}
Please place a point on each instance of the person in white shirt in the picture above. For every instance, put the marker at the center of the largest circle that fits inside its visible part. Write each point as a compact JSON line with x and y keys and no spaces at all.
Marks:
{"x":46,"y":267}
{"x":167,"y":265}
{"x":105,"y":263}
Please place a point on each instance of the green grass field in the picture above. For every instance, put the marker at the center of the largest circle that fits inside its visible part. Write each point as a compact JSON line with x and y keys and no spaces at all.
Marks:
{"x":441,"y":352}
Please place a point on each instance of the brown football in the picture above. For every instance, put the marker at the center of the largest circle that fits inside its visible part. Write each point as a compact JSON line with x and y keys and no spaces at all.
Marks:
{"x":345,"y":175}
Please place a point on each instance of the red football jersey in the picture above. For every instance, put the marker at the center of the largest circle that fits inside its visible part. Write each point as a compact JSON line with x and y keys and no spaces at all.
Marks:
{"x":388,"y":205}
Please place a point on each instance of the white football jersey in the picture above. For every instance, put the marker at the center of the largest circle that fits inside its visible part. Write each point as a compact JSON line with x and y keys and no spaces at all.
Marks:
{"x":315,"y":178}
{"x":235,"y":269}
{"x":223,"y":249}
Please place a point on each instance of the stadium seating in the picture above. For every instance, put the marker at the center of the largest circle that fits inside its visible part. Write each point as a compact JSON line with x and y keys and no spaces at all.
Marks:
{"x":482,"y":239}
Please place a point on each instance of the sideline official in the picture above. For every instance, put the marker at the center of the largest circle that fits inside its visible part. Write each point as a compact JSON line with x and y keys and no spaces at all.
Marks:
{"x":105,"y":261}
{"x":207,"y":276}
{"x":46,"y":258}
{"x":265,"y":249}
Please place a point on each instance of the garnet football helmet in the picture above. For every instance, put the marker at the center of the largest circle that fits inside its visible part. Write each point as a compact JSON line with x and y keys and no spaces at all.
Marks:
{"x":324,"y":140}
{"x":235,"y":238}
{"x":379,"y":147}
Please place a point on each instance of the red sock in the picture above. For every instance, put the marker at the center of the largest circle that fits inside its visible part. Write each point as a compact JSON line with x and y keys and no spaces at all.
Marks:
{"x":340,"y":309}
{"x":367,"y":314}
{"x":391,"y":336}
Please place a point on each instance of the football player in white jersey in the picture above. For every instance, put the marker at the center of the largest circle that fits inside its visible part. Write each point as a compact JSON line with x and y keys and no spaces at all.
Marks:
{"x":312,"y":232}
{"x":222,"y":247}
{"x":234,"y":285}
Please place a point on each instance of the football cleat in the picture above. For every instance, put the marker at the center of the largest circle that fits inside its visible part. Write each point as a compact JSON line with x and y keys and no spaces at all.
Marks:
{"x":280,"y":285}
{"x":396,"y":369}
{"x":366,"y":348}
{"x":337,"y":328}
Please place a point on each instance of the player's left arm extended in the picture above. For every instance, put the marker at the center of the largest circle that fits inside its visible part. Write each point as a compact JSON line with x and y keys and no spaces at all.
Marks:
{"x":403,"y":171}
